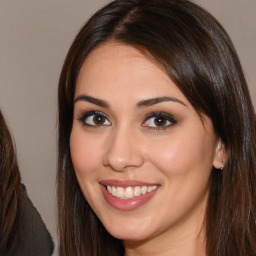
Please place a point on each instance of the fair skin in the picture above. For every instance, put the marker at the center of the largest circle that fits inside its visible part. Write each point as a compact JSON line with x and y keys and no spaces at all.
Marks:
{"x":135,"y":134}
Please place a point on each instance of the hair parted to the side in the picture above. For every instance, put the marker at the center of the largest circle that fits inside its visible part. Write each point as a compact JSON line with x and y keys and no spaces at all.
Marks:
{"x":199,"y":57}
{"x":10,"y":190}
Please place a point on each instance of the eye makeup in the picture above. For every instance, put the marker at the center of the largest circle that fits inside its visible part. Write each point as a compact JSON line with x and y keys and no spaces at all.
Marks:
{"x":155,"y":120}
{"x":159,"y":120}
{"x":94,"y":119}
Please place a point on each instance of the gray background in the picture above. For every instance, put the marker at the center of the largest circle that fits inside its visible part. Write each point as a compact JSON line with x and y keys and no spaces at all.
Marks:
{"x":34,"y":38}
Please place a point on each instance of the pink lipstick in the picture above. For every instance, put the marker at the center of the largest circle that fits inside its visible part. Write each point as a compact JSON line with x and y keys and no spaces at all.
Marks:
{"x":127,"y":195}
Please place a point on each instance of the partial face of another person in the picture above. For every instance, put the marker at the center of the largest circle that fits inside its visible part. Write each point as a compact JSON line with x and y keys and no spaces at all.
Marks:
{"x":141,"y":153}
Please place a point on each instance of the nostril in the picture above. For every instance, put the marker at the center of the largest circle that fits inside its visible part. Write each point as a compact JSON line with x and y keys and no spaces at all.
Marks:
{"x":122,"y":152}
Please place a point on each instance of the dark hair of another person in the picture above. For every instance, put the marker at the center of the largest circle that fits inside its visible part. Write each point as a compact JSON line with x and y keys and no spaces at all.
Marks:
{"x":199,"y":57}
{"x":10,"y":189}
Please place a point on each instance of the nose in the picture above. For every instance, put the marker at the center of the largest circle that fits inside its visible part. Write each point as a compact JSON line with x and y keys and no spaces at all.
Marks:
{"x":123,"y":150}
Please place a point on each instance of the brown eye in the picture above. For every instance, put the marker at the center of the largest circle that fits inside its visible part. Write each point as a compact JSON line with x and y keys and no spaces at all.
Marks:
{"x":99,"y":119}
{"x":94,"y":119}
{"x":160,"y":121}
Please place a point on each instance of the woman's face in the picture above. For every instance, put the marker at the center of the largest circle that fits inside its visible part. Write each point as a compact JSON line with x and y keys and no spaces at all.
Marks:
{"x":141,"y":153}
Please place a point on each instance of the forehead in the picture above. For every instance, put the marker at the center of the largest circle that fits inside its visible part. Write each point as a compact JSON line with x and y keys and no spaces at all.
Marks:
{"x":118,"y":70}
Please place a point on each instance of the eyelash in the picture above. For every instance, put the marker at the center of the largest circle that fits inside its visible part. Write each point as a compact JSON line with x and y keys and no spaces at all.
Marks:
{"x":163,"y":115}
{"x":88,"y":114}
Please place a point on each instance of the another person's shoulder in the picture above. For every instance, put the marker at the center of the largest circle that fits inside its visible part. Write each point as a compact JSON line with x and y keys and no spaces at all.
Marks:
{"x":34,"y":238}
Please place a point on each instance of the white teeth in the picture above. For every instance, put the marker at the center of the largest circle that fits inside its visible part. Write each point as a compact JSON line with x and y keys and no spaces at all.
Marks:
{"x":151,"y":188}
{"x":137,"y":191}
{"x":109,"y":189}
{"x":119,"y":192}
{"x":144,"y":190}
{"x":113,"y":191}
{"x":130,"y":192}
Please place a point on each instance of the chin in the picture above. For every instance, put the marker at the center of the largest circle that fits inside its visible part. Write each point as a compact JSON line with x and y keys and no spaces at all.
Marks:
{"x":128,"y":234}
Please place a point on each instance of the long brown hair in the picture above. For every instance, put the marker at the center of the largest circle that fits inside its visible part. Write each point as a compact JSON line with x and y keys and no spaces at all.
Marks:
{"x":10,"y":190}
{"x":199,"y":57}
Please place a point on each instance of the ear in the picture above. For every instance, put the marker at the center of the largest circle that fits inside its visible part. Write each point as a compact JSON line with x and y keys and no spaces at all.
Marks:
{"x":219,"y":158}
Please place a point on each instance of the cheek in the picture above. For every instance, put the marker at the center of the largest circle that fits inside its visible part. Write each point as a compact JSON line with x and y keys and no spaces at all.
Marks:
{"x":185,"y":164}
{"x":183,"y":155}
{"x":84,"y":153}
{"x":85,"y":159}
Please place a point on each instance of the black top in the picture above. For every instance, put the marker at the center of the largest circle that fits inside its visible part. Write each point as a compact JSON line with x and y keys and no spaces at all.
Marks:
{"x":34,"y":238}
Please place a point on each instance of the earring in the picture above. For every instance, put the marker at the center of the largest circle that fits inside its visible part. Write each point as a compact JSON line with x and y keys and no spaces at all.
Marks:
{"x":221,"y":166}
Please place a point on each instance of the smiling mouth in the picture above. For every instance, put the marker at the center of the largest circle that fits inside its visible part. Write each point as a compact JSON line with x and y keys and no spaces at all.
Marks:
{"x":127,"y":195}
{"x":129,"y":192}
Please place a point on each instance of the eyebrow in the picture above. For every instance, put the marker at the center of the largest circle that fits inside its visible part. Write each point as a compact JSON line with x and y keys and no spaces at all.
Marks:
{"x":101,"y":103}
{"x":153,"y":101}
{"x":143,"y":103}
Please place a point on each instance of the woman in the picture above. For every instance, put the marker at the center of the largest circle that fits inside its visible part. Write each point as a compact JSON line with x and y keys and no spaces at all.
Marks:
{"x":22,"y":231}
{"x":157,"y":136}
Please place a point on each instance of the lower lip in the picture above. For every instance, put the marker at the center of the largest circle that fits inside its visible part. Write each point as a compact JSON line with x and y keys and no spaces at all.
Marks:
{"x":127,"y":204}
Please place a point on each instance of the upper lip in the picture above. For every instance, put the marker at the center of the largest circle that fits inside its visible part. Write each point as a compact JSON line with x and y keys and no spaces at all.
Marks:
{"x":125,"y":183}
